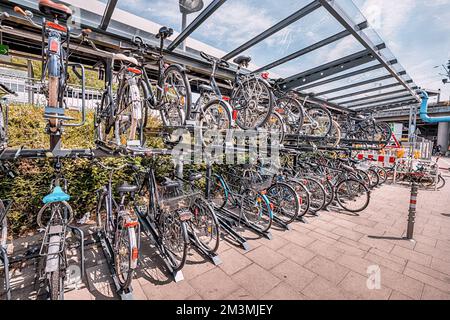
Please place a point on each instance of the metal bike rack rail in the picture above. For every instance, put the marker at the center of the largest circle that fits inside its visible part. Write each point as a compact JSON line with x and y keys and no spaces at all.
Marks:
{"x":151,"y":232}
{"x":108,"y":252}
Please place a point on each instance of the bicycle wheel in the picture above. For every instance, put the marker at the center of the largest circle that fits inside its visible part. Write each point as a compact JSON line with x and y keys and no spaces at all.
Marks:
{"x":374,"y":178}
{"x":335,"y":135}
{"x":256,"y":209}
{"x":363,"y":177}
{"x":285,"y":201}
{"x":252,"y":103}
{"x":214,"y":120}
{"x":132,"y":113}
{"x":329,"y":192}
{"x":219,"y":193}
{"x":126,"y":254}
{"x":317,"y":122}
{"x":291,"y":112}
{"x":204,"y":225}
{"x":352,"y":195}
{"x":175,"y":240}
{"x":317,"y":193}
{"x":382,"y":174}
{"x":275,"y":125}
{"x":176,"y":97}
{"x":104,"y":119}
{"x":56,"y":289}
{"x":303,"y":195}
{"x":441,"y":182}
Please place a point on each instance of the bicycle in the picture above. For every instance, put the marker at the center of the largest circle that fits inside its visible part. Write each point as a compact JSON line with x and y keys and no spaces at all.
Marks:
{"x":301,"y":116}
{"x":5,"y":206}
{"x":117,"y":224}
{"x":4,"y":114}
{"x":247,"y":196}
{"x":167,"y":213}
{"x":54,"y":218}
{"x":55,"y":64}
{"x":122,"y":119}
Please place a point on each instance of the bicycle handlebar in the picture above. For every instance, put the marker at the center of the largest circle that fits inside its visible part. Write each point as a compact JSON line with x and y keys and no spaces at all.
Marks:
{"x":211,"y":59}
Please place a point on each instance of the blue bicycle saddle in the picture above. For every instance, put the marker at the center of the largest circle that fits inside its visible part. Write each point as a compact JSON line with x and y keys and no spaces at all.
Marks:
{"x":57,"y":195}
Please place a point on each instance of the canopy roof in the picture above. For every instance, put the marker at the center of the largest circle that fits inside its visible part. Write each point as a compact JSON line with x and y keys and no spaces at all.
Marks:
{"x":321,"y":46}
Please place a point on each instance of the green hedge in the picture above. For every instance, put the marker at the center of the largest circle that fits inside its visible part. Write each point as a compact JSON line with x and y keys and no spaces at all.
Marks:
{"x":33,"y":177}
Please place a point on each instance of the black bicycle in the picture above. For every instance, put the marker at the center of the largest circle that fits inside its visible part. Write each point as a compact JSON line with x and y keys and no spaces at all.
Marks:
{"x":167,"y":213}
{"x":122,"y":118}
{"x":118,"y":225}
{"x":5,"y":206}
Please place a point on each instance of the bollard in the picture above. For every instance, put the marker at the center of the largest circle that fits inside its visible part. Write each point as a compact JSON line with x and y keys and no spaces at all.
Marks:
{"x":412,"y":211}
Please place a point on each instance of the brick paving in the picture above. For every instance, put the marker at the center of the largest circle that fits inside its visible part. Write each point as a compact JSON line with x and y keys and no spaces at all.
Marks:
{"x":328,"y":258}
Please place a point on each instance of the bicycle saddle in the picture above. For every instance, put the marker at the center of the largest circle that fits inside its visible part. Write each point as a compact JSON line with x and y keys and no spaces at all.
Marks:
{"x":122,"y":57}
{"x":195,"y":176}
{"x":311,"y":94}
{"x":205,"y":87}
{"x":54,"y":10}
{"x":164,"y":33}
{"x":57,"y":195}
{"x":242,"y":60}
{"x":127,"y":188}
{"x":169,"y":183}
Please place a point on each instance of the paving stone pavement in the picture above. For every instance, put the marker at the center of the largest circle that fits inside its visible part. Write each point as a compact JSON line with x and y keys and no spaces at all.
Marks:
{"x":336,"y":255}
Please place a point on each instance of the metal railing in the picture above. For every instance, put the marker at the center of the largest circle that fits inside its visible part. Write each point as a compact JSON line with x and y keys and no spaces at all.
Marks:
{"x":29,"y":91}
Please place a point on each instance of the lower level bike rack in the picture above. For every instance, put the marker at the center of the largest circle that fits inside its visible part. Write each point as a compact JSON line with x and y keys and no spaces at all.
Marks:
{"x":151,"y":232}
{"x":213,"y":257}
{"x":226,"y":225}
{"x":230,"y":214}
{"x":4,"y":259}
{"x":108,"y":252}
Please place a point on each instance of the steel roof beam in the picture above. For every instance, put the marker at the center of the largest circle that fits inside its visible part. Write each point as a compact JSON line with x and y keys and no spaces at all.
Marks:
{"x":205,"y":14}
{"x":382,"y":107}
{"x":341,"y":77}
{"x":372,"y":97}
{"x":354,"y":85}
{"x":110,"y":6}
{"x":274,"y":29}
{"x":379,"y":101}
{"x":339,"y":14}
{"x":327,"y":69}
{"x":357,"y":93}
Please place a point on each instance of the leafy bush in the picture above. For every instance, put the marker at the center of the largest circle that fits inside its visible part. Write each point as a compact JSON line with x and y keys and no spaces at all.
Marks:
{"x":33,"y":176}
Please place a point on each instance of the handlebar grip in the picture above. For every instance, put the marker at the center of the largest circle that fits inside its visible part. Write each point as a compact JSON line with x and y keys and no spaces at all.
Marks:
{"x":19,"y":10}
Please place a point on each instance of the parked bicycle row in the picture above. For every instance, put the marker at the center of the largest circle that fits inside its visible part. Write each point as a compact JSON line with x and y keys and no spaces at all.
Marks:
{"x":254,"y":100}
{"x":178,"y":212}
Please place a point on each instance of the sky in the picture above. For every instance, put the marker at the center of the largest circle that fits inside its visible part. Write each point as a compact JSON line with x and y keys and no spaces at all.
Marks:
{"x":417,"y":32}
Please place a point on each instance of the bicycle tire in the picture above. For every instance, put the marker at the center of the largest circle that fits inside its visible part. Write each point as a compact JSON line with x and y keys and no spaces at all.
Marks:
{"x":215,"y":229}
{"x":310,"y":129}
{"x":341,"y":195}
{"x":55,"y":280}
{"x":264,"y":115}
{"x":303,"y":194}
{"x":184,"y":114}
{"x":125,"y":277}
{"x":222,"y":109}
{"x":291,"y":112}
{"x":317,"y":193}
{"x":279,"y":207}
{"x":374,"y":178}
{"x":262,"y":218}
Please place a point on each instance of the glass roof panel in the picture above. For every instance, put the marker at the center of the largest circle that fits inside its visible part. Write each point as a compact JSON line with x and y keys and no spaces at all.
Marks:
{"x":375,"y":99}
{"x":329,"y":53}
{"x":238,"y":21}
{"x":311,"y":29}
{"x":381,"y":104}
{"x":352,"y":10}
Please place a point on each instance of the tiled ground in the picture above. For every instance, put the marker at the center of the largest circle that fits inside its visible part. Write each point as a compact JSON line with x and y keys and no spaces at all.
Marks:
{"x":328,"y":258}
